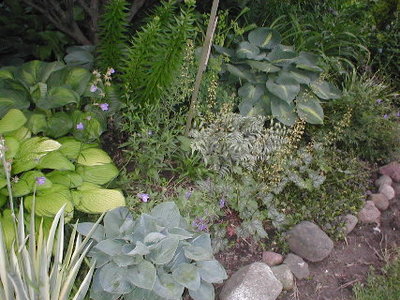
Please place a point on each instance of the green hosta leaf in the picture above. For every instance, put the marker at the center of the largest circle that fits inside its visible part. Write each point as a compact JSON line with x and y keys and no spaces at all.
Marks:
{"x":6,"y":73}
{"x":205,"y":292}
{"x":163,"y":251}
{"x":67,"y":178}
{"x":114,"y":279}
{"x":57,"y":97}
{"x":167,"y":288}
{"x":74,"y":78}
{"x":187,"y":275}
{"x":308,"y":61}
{"x":265,"y":38}
{"x":241,"y":72}
{"x":142,"y":275}
{"x":167,"y":214}
{"x":3,"y":198}
{"x":37,"y":123}
{"x":225,"y":51}
{"x":26,"y":183}
{"x":37,"y":71}
{"x":6,"y":221}
{"x":283,"y":111}
{"x":325,"y":90}
{"x":13,"y":94}
{"x":93,"y":157}
{"x":95,"y":201}
{"x":285,"y":88}
{"x":302,"y":76}
{"x":70,"y":147}
{"x":263,"y":66}
{"x":12,"y":121}
{"x":59,"y":124}
{"x":247,"y":50}
{"x":211,"y":271}
{"x":12,"y":146}
{"x":21,"y":134}
{"x":251,"y":92}
{"x":98,"y":174}
{"x":309,"y":109}
{"x":281,"y":56}
{"x":56,"y":161}
{"x":261,"y":107}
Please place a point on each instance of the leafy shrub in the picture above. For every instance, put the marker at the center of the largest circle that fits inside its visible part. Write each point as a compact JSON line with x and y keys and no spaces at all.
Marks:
{"x":60,"y":172}
{"x":154,"y":257}
{"x":279,"y":81}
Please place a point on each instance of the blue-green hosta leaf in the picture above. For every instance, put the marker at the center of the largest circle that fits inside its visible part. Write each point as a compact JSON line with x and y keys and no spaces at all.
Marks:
{"x":204,"y":292}
{"x":167,"y":214}
{"x":163,"y":251}
{"x":114,"y":219}
{"x":225,"y":51}
{"x":263,"y":66}
{"x":283,"y":111}
{"x":80,"y":56}
{"x":59,"y":124}
{"x":265,"y":38}
{"x":153,"y":238}
{"x":309,"y":109}
{"x":110,"y":246}
{"x":100,"y":257}
{"x":187,"y":275}
{"x":167,"y":288}
{"x":139,"y":249}
{"x":56,"y":161}
{"x":203,"y":241}
{"x":178,"y":259}
{"x":85,"y":227}
{"x":247,"y":50}
{"x":285,"y":88}
{"x":179,"y":233}
{"x":124,"y":260}
{"x":211,"y":271}
{"x":302,"y":76}
{"x":145,"y":225}
{"x":142,"y":275}
{"x":12,"y":121}
{"x":114,"y":279}
{"x":97,"y":292}
{"x":240,"y":72}
{"x":142,"y":294}
{"x":325,"y":90}
{"x":93,"y":157}
{"x":67,"y":178}
{"x":197,"y":253}
{"x":280,"y":56}
{"x":308,"y":61}
{"x":100,"y":174}
{"x":251,"y":92}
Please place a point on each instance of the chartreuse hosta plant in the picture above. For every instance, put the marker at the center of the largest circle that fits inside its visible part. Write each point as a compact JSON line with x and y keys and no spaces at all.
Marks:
{"x":64,"y":172}
{"x":154,"y":257}
{"x":277,"y":80}
{"x":59,"y":99}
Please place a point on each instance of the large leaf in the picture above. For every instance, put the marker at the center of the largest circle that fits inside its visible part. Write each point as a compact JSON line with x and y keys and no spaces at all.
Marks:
{"x":167,"y":288}
{"x":225,"y":51}
{"x":285,"y":87}
{"x":302,"y":76}
{"x":325,"y":90}
{"x":12,"y":146}
{"x":55,"y":97}
{"x":187,"y":275}
{"x":12,"y":121}
{"x":59,"y":124}
{"x":260,"y":107}
{"x":93,"y":157}
{"x":56,"y":161}
{"x":247,"y":50}
{"x":115,"y":219}
{"x":80,"y":56}
{"x":308,"y":61}
{"x":167,"y":214}
{"x":163,"y":251}
{"x":70,"y":147}
{"x":114,"y":279}
{"x":13,"y":95}
{"x":283,"y":111}
{"x":95,"y":201}
{"x":240,"y":71}
{"x":26,"y":183}
{"x":265,"y":38}
{"x":211,"y":271}
{"x":309,"y":109}
{"x":67,"y":178}
{"x":142,"y":275}
{"x":251,"y":92}
{"x":205,"y":292}
{"x":263,"y":66}
{"x":37,"y":123}
{"x":74,"y":78}
{"x":100,"y":174}
{"x":37,"y":71}
{"x":281,"y":56}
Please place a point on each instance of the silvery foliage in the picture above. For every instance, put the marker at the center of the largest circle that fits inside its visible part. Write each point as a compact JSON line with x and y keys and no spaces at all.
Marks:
{"x":235,"y":143}
{"x":154,"y":257}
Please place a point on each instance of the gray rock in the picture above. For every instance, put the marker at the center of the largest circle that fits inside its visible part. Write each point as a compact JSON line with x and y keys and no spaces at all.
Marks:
{"x":380,"y":200}
{"x":284,"y":275}
{"x":252,"y":282}
{"x":308,"y":241}
{"x":350,"y":222}
{"x":384,"y":179}
{"x":396,"y":188}
{"x":392,"y":170}
{"x":387,"y":190}
{"x":297,"y":265}
{"x":369,"y":213}
{"x":272,"y":258}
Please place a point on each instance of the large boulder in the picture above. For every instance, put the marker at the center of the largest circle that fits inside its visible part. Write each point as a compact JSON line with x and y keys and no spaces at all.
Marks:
{"x":252,"y":282}
{"x":297,"y":265}
{"x":392,"y":170}
{"x":308,"y":241}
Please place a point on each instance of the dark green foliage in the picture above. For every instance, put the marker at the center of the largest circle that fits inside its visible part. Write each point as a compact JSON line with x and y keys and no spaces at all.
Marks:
{"x":112,"y":35}
{"x":156,"y":53}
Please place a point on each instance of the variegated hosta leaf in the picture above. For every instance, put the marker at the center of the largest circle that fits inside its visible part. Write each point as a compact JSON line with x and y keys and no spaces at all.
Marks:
{"x":265,"y":38}
{"x":325,"y":90}
{"x":309,"y":109}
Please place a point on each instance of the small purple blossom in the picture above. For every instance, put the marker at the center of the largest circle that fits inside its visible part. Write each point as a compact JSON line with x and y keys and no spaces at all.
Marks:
{"x":111,"y":70}
{"x":143,"y":197}
{"x":398,"y":114}
{"x":80,"y":126}
{"x":40,"y":180}
{"x":222,"y":203}
{"x":379,"y":101}
{"x":93,"y":88}
{"x":385,"y":116}
{"x":188,"y":194}
{"x":200,"y":224}
{"x":104,"y":106}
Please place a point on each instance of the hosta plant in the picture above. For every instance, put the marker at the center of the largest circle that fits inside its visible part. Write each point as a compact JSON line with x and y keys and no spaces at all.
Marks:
{"x":154,"y":257}
{"x":275,"y":79}
{"x":63,"y":172}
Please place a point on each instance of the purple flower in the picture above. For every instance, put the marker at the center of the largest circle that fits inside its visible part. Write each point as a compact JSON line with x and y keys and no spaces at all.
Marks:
{"x":188,"y":194}
{"x":93,"y":88}
{"x":111,"y":70}
{"x":398,"y":114}
{"x":379,"y":101}
{"x":143,"y":197}
{"x":385,"y":116}
{"x":80,"y":126}
{"x":104,"y":106}
{"x":40,"y":180}
{"x":200,"y":224}
{"x":222,"y":203}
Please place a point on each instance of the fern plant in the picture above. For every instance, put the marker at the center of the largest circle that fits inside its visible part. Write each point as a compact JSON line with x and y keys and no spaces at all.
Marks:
{"x":113,"y":38}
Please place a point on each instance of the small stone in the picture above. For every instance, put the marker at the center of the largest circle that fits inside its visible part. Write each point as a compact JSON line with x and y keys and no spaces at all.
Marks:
{"x":308,"y":241}
{"x":350,"y":222}
{"x":392,"y":170}
{"x":380,"y":200}
{"x":369,"y":213}
{"x":387,"y":190}
{"x":252,"y":282}
{"x":297,"y":265}
{"x":272,"y":258}
{"x":396,"y":188}
{"x":384,"y":179}
{"x":284,"y":275}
